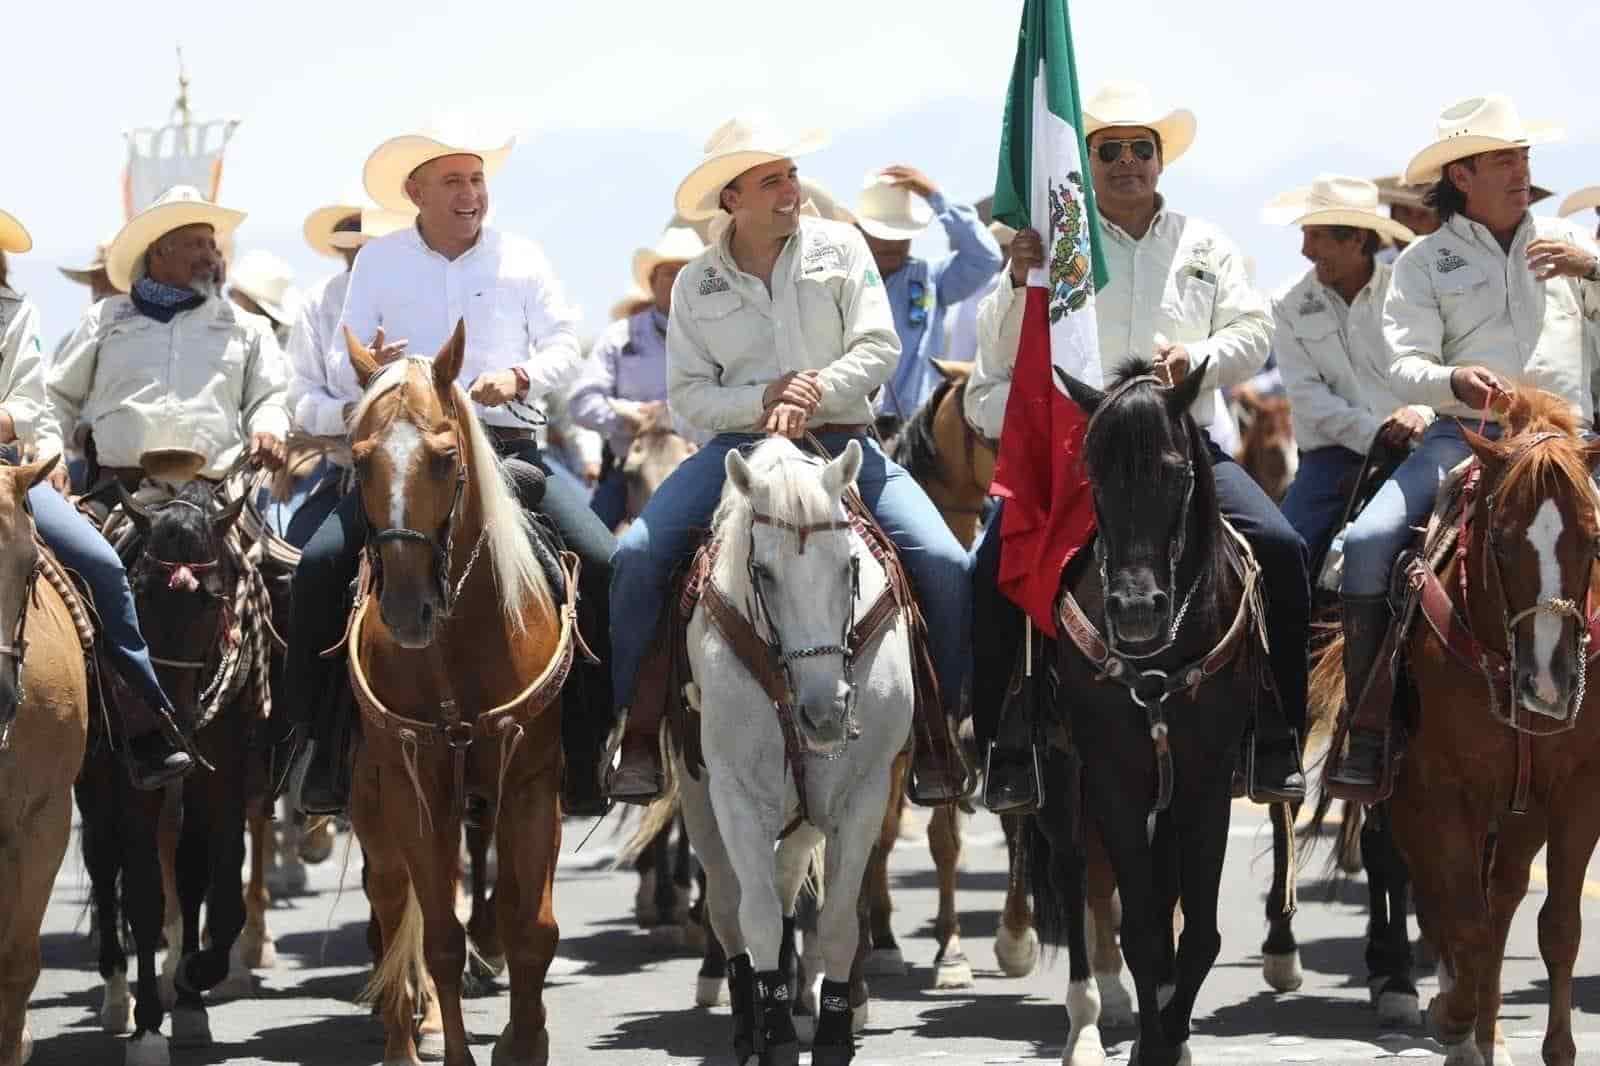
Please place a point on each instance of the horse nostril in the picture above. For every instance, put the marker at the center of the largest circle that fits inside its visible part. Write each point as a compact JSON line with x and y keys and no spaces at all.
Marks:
{"x":427,"y":615}
{"x":1116,"y":603}
{"x":1160,"y":602}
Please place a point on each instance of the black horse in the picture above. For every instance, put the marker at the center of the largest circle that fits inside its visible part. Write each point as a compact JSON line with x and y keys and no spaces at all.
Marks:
{"x":1159,"y":666}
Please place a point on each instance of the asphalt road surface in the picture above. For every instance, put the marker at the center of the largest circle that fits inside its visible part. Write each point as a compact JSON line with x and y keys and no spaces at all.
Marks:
{"x":616,"y":996}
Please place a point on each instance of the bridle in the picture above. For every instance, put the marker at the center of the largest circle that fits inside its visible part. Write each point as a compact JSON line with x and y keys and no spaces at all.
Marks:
{"x":17,"y":647}
{"x":181,"y":578}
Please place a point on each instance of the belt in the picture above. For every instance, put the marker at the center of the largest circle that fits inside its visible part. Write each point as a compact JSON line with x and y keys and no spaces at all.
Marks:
{"x":849,"y":429}
{"x":511,"y":434}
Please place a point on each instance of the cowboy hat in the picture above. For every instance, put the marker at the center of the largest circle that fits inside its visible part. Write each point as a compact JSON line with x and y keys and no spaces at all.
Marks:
{"x":677,"y":244}
{"x":322,"y":223}
{"x":268,"y":281}
{"x":181,"y":205}
{"x":1334,"y":200}
{"x":84,"y":275}
{"x":733,"y":148}
{"x":1480,"y":124}
{"x":632,"y":302}
{"x":1128,"y":103}
{"x":1589,"y":197}
{"x":13,"y":235}
{"x":891,"y":212}
{"x":175,"y":466}
{"x":375,"y":222}
{"x":1002,"y":233}
{"x":1392,"y":193}
{"x":396,"y":159}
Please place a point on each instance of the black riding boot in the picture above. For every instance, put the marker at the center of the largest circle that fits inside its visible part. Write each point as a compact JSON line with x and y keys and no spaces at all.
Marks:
{"x":325,"y":787}
{"x":1012,"y":783}
{"x":1275,"y":774}
{"x":1366,"y":625}
{"x":155,"y":759}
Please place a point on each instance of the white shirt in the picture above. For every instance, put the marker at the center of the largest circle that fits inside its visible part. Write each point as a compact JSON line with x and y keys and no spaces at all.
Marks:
{"x":503,"y":287}
{"x":1456,"y":299}
{"x":316,"y":407}
{"x":22,"y":371}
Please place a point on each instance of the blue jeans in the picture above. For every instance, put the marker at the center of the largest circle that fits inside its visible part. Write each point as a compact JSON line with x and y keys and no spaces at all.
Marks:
{"x":610,"y":499}
{"x":80,"y":547}
{"x":310,"y":502}
{"x":1316,"y":500}
{"x":680,"y":511}
{"x":1385,"y":527}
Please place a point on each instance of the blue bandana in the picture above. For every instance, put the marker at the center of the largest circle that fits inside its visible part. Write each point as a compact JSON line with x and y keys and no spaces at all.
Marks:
{"x":162,"y":302}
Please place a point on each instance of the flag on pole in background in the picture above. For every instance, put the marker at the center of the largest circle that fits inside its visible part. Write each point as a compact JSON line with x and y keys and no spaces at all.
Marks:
{"x":1043,"y":183}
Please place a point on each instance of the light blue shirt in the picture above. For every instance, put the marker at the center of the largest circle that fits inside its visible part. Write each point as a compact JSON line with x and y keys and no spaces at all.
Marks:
{"x":919,"y":294}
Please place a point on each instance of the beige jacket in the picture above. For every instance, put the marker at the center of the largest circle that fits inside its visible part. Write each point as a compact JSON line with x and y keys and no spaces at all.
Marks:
{"x":22,"y":374}
{"x":206,"y":380}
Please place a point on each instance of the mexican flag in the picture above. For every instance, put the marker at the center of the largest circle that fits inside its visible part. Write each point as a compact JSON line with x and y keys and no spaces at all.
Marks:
{"x":1043,"y":183}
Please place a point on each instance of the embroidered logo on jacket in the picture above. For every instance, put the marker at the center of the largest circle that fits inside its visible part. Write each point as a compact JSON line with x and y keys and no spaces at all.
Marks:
{"x":714,"y":283}
{"x":821,"y":256}
{"x":1448,"y":261}
{"x":1312,"y":304}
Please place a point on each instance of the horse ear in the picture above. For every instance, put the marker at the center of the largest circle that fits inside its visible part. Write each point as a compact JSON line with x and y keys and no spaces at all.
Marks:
{"x":447,"y":364}
{"x":841,"y":473}
{"x":130,"y":507}
{"x":223,"y":520}
{"x":1182,"y":395}
{"x":953,"y":372}
{"x":361,"y":358}
{"x":1087,"y":397}
{"x":33,"y":473}
{"x":739,"y":472}
{"x":1490,"y":453}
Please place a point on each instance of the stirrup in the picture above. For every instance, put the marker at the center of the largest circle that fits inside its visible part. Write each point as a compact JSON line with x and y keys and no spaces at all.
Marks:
{"x":997,"y":806}
{"x":1268,"y":797}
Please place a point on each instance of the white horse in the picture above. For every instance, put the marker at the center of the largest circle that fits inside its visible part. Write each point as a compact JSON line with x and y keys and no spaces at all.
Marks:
{"x":789,"y":562}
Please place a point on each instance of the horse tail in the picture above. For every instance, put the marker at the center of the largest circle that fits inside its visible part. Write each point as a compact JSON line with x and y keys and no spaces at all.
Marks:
{"x":657,"y":817}
{"x":402,"y":967}
{"x":1325,"y":688}
{"x":1034,"y":861}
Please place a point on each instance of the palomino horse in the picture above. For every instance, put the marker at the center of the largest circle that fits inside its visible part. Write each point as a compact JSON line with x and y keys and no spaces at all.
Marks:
{"x":44,"y":722}
{"x":457,"y":666}
{"x":1159,"y":699}
{"x":1501,"y":759}
{"x":792,"y":571}
{"x":655,"y":453}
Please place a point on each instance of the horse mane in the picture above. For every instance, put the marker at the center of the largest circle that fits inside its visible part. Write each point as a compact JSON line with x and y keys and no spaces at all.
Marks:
{"x":1541,"y":471}
{"x":915,"y":447}
{"x":508,"y":531}
{"x":796,"y":497}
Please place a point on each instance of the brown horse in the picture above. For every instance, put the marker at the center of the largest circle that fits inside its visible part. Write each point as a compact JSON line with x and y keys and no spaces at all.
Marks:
{"x":1266,"y":441}
{"x":457,"y":666}
{"x":44,"y":721}
{"x":1501,"y":760}
{"x":655,"y":453}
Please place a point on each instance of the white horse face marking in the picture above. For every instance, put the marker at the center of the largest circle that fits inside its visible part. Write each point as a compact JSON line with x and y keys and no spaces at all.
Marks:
{"x":1543,"y":534}
{"x":400,"y":444}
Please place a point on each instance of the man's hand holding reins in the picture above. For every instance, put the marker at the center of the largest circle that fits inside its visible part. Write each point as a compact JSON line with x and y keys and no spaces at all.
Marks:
{"x":268,"y":450}
{"x":1476,"y":386}
{"x":1401,"y":428}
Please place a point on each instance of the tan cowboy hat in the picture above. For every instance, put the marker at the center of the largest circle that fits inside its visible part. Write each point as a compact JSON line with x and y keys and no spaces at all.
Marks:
{"x":1481,"y":124}
{"x":321,"y":224}
{"x":1128,"y":103}
{"x":1587,"y":197}
{"x":891,"y":212}
{"x":396,"y":159}
{"x":375,"y":222}
{"x":181,"y":205}
{"x":269,"y":281}
{"x":1335,"y":200}
{"x":677,"y":244}
{"x":13,"y":235}
{"x":735,"y":147}
{"x":84,"y":275}
{"x":633,"y":301}
{"x":1393,"y":192}
{"x":176,"y":466}
{"x":1002,"y":233}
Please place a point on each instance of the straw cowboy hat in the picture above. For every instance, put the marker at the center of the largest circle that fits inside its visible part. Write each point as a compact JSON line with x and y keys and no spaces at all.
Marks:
{"x":735,"y":147}
{"x":1128,"y":103}
{"x":396,"y":159}
{"x":1589,"y":197}
{"x":269,"y":281}
{"x":677,"y":244}
{"x":632,"y":302}
{"x":181,"y":205}
{"x":84,"y":275}
{"x":322,"y":223}
{"x":13,"y":235}
{"x":1335,"y":200}
{"x":891,"y":212}
{"x":1481,"y":124}
{"x":375,"y":223}
{"x":815,"y":200}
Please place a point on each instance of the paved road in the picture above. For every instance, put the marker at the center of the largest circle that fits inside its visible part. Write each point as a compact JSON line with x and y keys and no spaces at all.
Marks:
{"x":616,"y":998}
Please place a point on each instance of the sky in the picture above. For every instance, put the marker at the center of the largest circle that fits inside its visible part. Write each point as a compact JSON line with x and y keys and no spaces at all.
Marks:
{"x":612,"y":101}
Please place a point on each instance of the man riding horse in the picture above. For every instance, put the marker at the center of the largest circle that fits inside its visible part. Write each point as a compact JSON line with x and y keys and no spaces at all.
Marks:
{"x":1328,"y":333}
{"x":413,"y":286}
{"x":781,"y":327}
{"x":172,"y":364}
{"x":1494,"y":296}
{"x":1177,"y":293}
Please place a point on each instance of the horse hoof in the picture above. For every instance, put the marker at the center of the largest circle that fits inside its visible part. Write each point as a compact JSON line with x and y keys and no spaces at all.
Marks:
{"x":1017,"y":955}
{"x":1084,"y":1048}
{"x":1465,"y":1053}
{"x":26,"y":1051}
{"x":316,"y":843}
{"x":710,"y":991}
{"x":258,"y":950}
{"x":886,"y":962}
{"x":1398,"y":1009}
{"x":805,"y":1030}
{"x":430,"y":1047}
{"x":116,"y":1011}
{"x":190,"y":1027}
{"x":147,"y":1049}
{"x":502,"y":1050}
{"x":860,"y":1015}
{"x":285,"y":881}
{"x":1116,"y":1002}
{"x":953,"y":972}
{"x":240,"y":982}
{"x":1282,"y":971}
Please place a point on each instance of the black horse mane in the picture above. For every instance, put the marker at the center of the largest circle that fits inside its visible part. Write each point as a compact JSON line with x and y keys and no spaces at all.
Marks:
{"x":915,"y":447}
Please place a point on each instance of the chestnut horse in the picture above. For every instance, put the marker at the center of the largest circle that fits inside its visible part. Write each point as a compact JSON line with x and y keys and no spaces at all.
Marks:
{"x":457,"y":665}
{"x":44,"y":722}
{"x":1501,"y":760}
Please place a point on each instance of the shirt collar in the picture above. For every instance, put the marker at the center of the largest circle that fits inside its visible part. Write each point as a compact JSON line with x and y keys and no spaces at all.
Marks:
{"x":725,"y":243}
{"x":1470,"y":230}
{"x":1373,"y":290}
{"x":486,"y":238}
{"x":1155,"y":222}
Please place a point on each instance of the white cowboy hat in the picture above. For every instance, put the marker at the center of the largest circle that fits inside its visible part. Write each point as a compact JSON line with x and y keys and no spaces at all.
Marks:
{"x":181,"y":205}
{"x":1481,"y":124}
{"x":13,"y":235}
{"x":1335,"y":200}
{"x":1128,"y":103}
{"x":1587,"y":197}
{"x":269,"y":281}
{"x":393,"y":161}
{"x":677,"y":244}
{"x":320,"y":224}
{"x":891,"y":212}
{"x":735,"y":147}
{"x":84,"y":275}
{"x":375,"y":222}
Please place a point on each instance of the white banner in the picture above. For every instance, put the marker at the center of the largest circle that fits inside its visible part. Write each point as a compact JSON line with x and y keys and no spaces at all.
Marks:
{"x":188,"y":154}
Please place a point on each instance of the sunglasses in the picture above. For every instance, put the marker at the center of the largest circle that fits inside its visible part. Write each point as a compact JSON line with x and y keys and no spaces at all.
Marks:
{"x":1144,"y":149}
{"x":916,"y":312}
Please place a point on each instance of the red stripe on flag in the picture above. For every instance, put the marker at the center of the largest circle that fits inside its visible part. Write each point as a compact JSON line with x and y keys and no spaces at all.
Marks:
{"x":1049,"y":512}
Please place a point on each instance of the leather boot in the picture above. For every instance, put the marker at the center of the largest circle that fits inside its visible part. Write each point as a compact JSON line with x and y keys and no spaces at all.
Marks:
{"x":1366,"y":626}
{"x":1275,"y":773}
{"x":325,"y":786}
{"x":154,"y":759}
{"x":938,"y":770}
{"x":637,"y":777}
